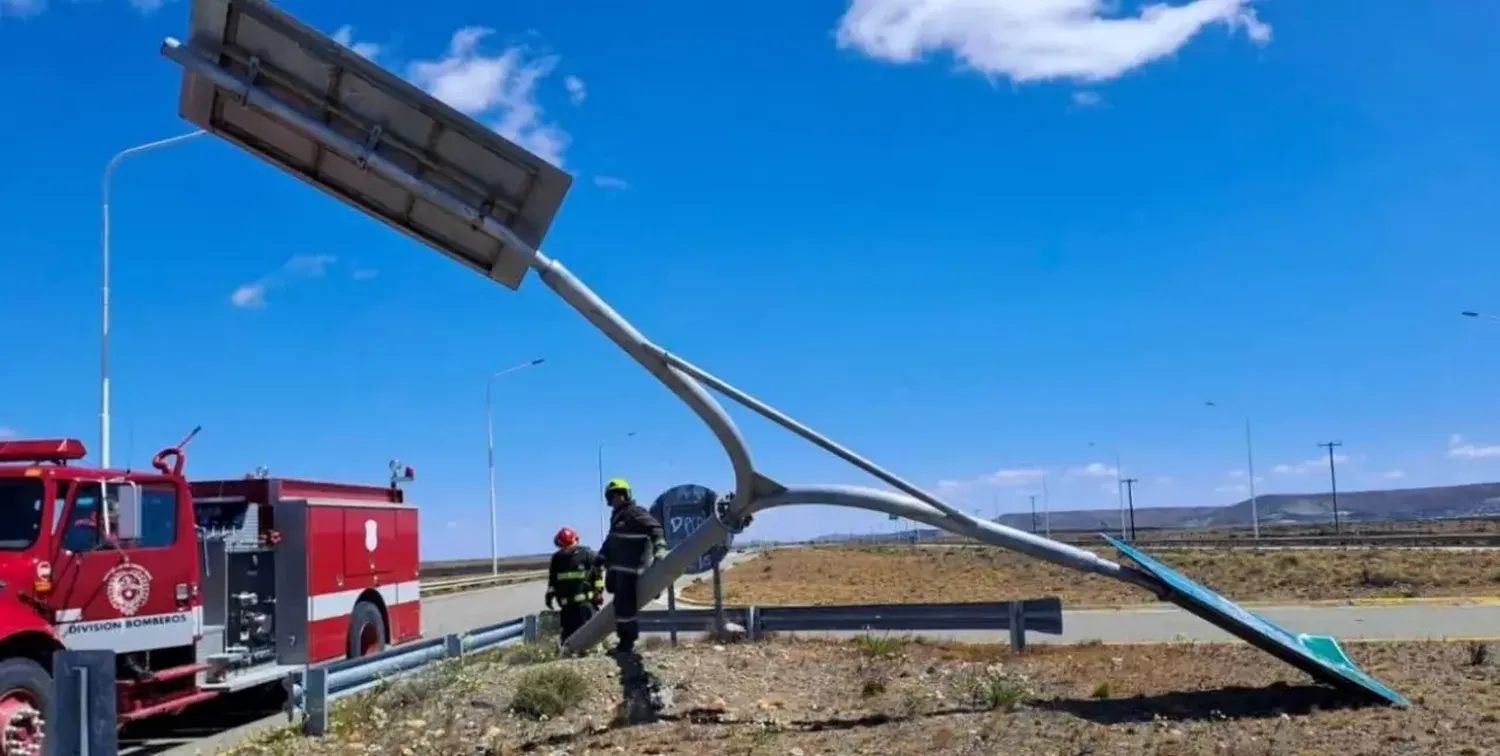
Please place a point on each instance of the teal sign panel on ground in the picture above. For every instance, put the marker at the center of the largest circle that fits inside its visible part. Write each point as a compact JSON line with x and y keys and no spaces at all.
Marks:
{"x":1317,"y":655}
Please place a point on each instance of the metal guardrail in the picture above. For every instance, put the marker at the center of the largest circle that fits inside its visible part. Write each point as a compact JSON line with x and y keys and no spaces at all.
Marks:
{"x":321,"y":686}
{"x":1043,"y":615}
{"x":446,"y":585}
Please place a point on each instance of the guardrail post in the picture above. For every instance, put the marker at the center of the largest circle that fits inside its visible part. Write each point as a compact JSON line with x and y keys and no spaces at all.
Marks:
{"x":80,"y":718}
{"x":453,"y":646}
{"x":752,"y":623}
{"x":1017,"y":623}
{"x":529,"y":630}
{"x":315,"y":702}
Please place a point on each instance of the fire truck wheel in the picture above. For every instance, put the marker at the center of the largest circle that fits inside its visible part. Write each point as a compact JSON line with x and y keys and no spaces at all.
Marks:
{"x":24,"y":689}
{"x":366,"y":630}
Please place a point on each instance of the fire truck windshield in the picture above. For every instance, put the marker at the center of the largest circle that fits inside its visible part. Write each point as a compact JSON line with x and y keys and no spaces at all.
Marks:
{"x":20,"y":512}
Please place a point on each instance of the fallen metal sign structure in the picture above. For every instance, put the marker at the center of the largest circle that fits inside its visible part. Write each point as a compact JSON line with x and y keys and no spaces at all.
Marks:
{"x":295,"y":98}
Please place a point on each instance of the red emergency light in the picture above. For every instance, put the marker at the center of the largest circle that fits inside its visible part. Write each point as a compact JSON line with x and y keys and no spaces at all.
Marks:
{"x":58,"y":450}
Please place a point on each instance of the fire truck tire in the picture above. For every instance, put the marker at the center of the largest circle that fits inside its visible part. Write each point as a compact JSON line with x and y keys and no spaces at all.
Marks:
{"x":366,"y":630}
{"x":25,"y":691}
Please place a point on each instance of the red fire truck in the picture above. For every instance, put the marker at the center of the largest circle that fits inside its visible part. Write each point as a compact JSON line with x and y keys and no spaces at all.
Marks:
{"x":200,"y":588}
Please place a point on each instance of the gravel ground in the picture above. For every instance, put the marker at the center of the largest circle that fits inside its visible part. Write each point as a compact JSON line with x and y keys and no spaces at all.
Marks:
{"x":893,"y":574}
{"x":883,"y":695}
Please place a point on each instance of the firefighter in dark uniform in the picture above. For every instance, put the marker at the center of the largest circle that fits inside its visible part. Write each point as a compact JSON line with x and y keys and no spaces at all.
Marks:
{"x":635,"y":539}
{"x":574,"y":582}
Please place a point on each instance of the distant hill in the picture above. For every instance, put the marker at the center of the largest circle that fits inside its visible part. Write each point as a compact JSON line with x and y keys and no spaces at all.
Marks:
{"x":1402,"y":504}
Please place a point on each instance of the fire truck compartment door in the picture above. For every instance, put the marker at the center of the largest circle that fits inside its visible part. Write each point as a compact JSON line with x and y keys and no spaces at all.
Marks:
{"x":369,"y":541}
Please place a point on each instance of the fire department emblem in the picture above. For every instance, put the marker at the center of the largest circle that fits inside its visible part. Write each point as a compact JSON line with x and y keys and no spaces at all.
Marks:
{"x":127,"y":587}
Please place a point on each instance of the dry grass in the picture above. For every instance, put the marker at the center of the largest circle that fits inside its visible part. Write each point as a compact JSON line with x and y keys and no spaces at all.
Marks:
{"x":899,"y":696}
{"x":896,"y":574}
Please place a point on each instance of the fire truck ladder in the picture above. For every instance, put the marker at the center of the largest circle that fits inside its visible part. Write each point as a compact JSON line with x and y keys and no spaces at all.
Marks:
{"x":293,"y":97}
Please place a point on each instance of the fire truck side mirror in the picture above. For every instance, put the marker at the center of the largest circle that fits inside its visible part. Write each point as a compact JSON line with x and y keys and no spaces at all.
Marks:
{"x":128,"y":507}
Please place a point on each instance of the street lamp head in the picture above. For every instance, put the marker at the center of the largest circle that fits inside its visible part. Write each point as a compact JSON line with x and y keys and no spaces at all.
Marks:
{"x":537,"y":361}
{"x":1469,"y":314}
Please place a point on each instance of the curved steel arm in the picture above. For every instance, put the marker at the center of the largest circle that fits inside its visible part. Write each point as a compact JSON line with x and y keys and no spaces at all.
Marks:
{"x":624,"y":335}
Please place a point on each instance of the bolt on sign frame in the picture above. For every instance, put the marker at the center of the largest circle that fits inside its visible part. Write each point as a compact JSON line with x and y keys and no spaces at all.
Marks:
{"x":293,"y":97}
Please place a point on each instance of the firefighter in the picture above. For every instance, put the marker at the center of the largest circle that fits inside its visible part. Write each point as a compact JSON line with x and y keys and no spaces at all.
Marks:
{"x":574,"y":582}
{"x":635,"y":538}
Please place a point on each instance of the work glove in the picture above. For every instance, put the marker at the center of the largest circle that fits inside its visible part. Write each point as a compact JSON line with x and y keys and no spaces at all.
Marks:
{"x":661,"y":551}
{"x":550,"y":601}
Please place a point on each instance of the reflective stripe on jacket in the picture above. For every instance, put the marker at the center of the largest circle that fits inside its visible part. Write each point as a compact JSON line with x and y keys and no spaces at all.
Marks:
{"x":634,"y":537}
{"x":573,"y":575}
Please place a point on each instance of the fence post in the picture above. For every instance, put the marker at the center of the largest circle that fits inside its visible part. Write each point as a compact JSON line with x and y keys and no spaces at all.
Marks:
{"x":752,"y":623}
{"x":1017,"y":626}
{"x":453,"y":646}
{"x":80,"y":718}
{"x":529,"y":630}
{"x":315,"y":701}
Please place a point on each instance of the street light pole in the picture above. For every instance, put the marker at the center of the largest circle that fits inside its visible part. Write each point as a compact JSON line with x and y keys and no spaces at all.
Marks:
{"x":109,"y":170}
{"x":489,"y":422}
{"x":1333,"y":481}
{"x":1119,"y":489}
{"x":1250,"y":473}
{"x":1130,"y":497}
{"x":603,"y":517}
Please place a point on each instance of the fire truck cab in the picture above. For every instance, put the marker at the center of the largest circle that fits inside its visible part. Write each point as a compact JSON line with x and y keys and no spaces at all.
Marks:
{"x":200,"y":588}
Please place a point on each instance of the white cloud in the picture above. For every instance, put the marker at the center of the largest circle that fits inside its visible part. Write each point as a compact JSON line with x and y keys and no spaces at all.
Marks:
{"x":1460,"y":449}
{"x":1309,"y":465}
{"x":1036,"y":40}
{"x":998,"y":479}
{"x":1086,"y":99}
{"x":253,"y":295}
{"x":1095,"y":470}
{"x":1393,"y":474}
{"x":577,"y":90}
{"x":147,"y":6}
{"x":344,"y":35}
{"x":499,"y":88}
{"x":611,"y":182}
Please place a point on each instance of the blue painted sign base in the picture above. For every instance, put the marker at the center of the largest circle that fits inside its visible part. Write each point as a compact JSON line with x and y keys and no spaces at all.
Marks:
{"x":1318,"y":655}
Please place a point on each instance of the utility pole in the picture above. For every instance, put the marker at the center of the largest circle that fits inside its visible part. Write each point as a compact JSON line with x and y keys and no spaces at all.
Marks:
{"x":1130,"y":496}
{"x":1033,"y":513}
{"x":1333,"y":481}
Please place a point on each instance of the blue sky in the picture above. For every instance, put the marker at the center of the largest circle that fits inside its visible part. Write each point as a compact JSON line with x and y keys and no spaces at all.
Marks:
{"x":968,"y":242}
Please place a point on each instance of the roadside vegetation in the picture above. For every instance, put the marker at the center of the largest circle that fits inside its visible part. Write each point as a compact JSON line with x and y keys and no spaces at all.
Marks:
{"x":829,"y":575}
{"x":885,"y":693}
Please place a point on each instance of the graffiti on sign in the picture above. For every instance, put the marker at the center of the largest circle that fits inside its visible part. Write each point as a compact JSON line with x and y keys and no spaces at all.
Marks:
{"x":681,"y":510}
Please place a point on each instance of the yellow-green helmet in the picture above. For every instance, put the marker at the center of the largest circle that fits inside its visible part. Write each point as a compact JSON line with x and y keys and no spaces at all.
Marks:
{"x":617,"y":484}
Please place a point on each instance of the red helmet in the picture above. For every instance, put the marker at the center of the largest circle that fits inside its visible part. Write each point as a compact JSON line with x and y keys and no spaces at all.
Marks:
{"x":565,"y":538}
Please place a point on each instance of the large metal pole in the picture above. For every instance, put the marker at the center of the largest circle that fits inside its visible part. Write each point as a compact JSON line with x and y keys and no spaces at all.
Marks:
{"x":109,"y":170}
{"x":1333,"y":481}
{"x":1120,"y":491}
{"x":1250,"y":471}
{"x":1046,"y":508}
{"x":489,"y":424}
